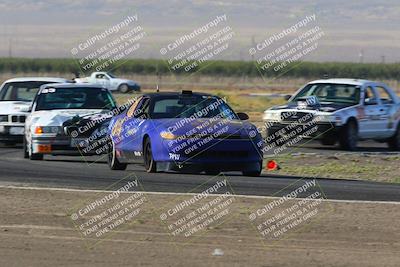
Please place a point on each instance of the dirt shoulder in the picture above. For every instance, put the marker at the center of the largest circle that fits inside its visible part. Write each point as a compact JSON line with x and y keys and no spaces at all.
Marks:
{"x":369,"y":167}
{"x":36,"y":229}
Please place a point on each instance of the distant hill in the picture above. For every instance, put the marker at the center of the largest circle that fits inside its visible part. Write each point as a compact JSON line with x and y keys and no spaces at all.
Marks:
{"x":50,"y":28}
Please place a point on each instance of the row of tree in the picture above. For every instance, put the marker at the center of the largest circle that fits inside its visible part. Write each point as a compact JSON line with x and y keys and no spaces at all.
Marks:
{"x":217,"y":68}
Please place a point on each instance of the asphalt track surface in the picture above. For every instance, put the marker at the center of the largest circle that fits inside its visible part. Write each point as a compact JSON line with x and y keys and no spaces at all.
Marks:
{"x":93,"y":173}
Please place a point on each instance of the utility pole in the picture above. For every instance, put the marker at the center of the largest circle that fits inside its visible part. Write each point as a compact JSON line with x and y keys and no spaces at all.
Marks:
{"x":9,"y":48}
{"x":361,"y":55}
{"x":253,"y":44}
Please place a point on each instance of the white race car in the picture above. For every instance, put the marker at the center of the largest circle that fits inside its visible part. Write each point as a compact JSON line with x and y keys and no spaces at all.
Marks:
{"x":344,"y":110}
{"x":16,"y":96}
{"x":111,"y":82}
{"x":56,"y":104}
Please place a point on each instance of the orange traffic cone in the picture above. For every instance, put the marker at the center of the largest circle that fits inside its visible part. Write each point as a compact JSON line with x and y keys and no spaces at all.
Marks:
{"x":272,"y":165}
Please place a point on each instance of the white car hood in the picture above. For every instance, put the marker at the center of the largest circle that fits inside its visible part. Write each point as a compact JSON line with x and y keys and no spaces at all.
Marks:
{"x":12,"y":107}
{"x":59,"y":116}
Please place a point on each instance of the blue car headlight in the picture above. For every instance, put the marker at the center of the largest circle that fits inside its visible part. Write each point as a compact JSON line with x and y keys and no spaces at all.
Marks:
{"x":168,"y":135}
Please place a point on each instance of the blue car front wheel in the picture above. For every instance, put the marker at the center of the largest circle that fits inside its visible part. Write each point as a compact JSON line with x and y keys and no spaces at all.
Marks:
{"x":113,"y":161}
{"x":149,"y":163}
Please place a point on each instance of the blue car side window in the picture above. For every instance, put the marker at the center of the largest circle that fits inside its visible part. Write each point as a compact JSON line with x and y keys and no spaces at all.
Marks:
{"x":132,"y":108}
{"x":142,"y":109}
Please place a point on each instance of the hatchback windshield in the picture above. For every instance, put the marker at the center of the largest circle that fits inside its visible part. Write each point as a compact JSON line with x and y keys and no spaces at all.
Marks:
{"x":190,"y":106}
{"x":74,"y":98}
{"x":20,"y":91}
{"x":327,"y":92}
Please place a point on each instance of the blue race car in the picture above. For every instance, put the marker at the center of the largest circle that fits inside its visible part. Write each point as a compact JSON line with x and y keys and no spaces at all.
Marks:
{"x":184,"y":132}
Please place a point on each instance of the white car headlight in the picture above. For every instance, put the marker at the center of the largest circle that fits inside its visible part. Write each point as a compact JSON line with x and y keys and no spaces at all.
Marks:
{"x":272,"y":116}
{"x":325,"y":118}
{"x":335,"y":119}
{"x":48,"y":130}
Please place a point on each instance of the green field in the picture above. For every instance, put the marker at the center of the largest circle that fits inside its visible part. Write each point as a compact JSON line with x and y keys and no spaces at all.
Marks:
{"x":212,"y":68}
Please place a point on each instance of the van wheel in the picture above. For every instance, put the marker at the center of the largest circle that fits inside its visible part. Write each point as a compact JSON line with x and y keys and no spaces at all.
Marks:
{"x":349,"y":136}
{"x":149,"y":163}
{"x":394,"y":141}
{"x":113,"y":162}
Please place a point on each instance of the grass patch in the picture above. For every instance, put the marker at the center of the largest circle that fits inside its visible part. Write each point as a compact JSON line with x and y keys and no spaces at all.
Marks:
{"x":379,"y":168}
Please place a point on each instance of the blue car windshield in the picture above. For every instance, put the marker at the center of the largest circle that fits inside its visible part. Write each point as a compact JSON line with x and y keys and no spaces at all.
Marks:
{"x":179,"y":106}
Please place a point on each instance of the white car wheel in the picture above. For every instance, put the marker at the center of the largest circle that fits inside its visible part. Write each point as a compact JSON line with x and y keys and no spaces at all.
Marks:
{"x":34,"y":156}
{"x":123,"y":88}
{"x":394,"y":142}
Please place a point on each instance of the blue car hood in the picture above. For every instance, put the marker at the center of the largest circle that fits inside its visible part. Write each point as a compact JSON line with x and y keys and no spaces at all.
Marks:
{"x":182,"y":126}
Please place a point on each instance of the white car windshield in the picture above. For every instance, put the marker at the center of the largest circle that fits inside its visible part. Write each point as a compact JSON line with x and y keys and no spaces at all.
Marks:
{"x":20,"y":91}
{"x":330,"y":92}
{"x":74,"y":98}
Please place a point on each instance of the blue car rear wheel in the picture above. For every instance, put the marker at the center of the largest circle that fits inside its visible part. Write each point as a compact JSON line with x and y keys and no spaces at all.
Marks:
{"x":253,"y":173}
